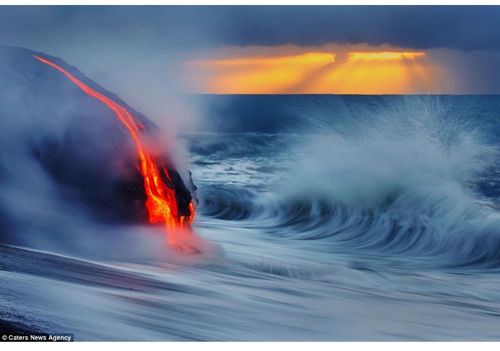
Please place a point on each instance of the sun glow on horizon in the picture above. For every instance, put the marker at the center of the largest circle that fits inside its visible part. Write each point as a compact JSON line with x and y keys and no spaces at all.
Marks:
{"x":350,"y":72}
{"x":256,"y":75}
{"x":306,"y":59}
{"x":385,"y":55}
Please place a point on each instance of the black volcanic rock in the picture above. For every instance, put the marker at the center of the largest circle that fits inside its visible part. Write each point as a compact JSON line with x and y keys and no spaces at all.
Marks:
{"x":53,"y":130}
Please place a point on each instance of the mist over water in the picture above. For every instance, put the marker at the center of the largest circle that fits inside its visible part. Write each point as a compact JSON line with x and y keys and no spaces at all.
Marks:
{"x":331,"y":218}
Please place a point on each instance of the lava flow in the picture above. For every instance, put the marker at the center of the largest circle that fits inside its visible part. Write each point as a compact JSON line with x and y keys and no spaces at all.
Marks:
{"x":161,"y":200}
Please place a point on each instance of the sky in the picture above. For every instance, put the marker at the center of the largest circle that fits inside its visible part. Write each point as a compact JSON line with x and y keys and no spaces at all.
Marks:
{"x":153,"y":55}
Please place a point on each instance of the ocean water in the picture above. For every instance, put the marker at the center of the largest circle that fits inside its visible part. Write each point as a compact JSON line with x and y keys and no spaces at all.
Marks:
{"x":329,"y":217}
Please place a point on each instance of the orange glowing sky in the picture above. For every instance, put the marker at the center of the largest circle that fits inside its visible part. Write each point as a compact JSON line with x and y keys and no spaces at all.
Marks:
{"x":268,"y":71}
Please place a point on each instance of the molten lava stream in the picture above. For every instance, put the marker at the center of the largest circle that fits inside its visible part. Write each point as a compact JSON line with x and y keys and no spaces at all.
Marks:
{"x":161,"y":200}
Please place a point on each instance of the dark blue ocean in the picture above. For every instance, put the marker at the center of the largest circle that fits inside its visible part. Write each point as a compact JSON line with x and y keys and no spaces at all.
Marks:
{"x":334,"y":218}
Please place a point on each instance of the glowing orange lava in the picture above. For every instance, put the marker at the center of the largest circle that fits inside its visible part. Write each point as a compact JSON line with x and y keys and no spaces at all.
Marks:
{"x":161,"y":200}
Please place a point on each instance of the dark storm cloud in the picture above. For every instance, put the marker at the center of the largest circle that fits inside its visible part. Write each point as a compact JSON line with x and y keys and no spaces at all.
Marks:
{"x":420,"y":27}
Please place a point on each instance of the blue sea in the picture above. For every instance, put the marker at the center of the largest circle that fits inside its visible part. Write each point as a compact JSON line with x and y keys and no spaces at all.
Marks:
{"x":333,"y":218}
